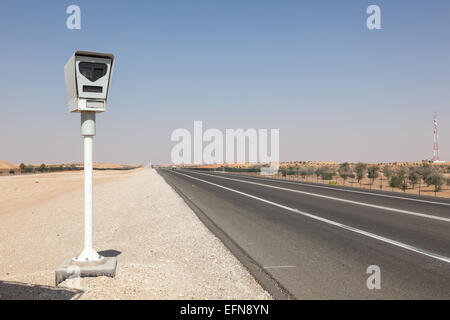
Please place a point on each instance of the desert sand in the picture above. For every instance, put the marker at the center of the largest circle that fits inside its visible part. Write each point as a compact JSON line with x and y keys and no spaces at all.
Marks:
{"x":6,"y":165}
{"x":163,"y":250}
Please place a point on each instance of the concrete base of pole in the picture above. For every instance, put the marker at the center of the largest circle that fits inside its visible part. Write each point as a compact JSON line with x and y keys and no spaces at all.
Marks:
{"x":72,"y":269}
{"x":88,"y":255}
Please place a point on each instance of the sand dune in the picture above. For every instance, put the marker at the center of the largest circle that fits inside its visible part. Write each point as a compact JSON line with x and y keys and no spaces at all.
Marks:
{"x":7,"y":165}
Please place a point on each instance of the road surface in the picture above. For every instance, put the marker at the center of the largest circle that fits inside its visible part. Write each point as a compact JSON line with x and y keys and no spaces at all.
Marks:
{"x":317,"y":242}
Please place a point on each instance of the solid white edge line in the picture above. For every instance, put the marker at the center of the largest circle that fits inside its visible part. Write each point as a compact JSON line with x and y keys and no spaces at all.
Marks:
{"x":423,"y":215}
{"x":336,"y":189}
{"x":337,"y":224}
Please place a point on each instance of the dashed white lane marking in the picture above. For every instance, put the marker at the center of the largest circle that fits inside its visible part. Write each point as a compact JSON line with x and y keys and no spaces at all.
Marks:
{"x":412,"y":213}
{"x":331,"y":222}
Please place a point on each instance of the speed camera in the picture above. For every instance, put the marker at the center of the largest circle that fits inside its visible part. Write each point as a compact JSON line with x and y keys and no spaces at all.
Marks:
{"x":88,"y":76}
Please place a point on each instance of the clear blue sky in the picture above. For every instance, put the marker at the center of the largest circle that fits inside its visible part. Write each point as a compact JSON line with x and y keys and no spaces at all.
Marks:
{"x":336,"y":90}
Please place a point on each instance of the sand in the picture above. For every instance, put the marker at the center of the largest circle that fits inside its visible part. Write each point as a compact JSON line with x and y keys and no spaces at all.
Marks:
{"x":163,"y":250}
{"x":7,"y":166}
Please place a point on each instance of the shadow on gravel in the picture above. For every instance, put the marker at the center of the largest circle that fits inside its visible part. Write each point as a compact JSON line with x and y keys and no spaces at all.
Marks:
{"x":24,"y":291}
{"x":109,"y":253}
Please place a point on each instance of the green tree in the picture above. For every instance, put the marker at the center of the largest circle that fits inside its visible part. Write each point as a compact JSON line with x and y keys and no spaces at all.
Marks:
{"x":413,"y":176}
{"x":309,"y":171}
{"x":387,"y":172}
{"x":396,"y":181}
{"x":42,"y":167}
{"x":327,"y":173}
{"x":318,"y":173}
{"x":437,"y":180}
{"x":424,"y":171}
{"x":345,"y":171}
{"x":302,"y":172}
{"x":22,"y":167}
{"x":401,"y":174}
{"x":361,"y":170}
{"x":372,"y":173}
{"x":306,"y":171}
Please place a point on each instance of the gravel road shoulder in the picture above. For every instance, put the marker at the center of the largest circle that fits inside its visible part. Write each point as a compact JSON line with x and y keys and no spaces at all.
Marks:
{"x":163,"y":250}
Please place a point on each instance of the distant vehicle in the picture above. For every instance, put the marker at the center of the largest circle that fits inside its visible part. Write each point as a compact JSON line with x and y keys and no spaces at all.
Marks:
{"x":174,"y":167}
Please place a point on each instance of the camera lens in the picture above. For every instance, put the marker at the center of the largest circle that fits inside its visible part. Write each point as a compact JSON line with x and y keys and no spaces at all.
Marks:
{"x":93,"y":71}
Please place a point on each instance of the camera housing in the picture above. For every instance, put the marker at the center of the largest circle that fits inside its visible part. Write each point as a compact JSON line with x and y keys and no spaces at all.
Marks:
{"x":88,"y":77}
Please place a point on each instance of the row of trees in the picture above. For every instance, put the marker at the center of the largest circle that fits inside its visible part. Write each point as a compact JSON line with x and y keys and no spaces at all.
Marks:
{"x":236,"y":169}
{"x":397,"y":177}
{"x":45,"y":168}
{"x":11,"y":171}
{"x":413,"y":176}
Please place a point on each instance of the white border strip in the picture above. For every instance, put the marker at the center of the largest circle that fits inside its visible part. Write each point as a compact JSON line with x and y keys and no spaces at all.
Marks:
{"x":412,"y":213}
{"x":337,"y":224}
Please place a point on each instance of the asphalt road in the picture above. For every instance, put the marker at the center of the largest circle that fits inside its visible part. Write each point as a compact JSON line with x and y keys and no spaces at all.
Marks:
{"x":318,"y":242}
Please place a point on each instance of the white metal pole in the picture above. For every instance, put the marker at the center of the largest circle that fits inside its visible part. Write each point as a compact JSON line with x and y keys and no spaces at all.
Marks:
{"x":88,"y":133}
{"x":88,"y":140}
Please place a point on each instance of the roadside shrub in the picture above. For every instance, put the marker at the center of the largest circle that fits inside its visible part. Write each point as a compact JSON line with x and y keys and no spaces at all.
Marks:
{"x":306,"y":171}
{"x":345,"y":171}
{"x":328,"y":175}
{"x":373,"y":173}
{"x":361,"y":171}
{"x":437,"y":180}
{"x":396,"y":182}
{"x":387,"y":171}
{"x":29,"y":169}
{"x":413,"y":176}
{"x":424,"y":172}
{"x":325,"y":172}
{"x":42,"y":168}
{"x":233,"y":169}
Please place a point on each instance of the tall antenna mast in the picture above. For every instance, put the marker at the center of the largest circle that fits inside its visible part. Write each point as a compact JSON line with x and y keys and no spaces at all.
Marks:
{"x":436,"y":144}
